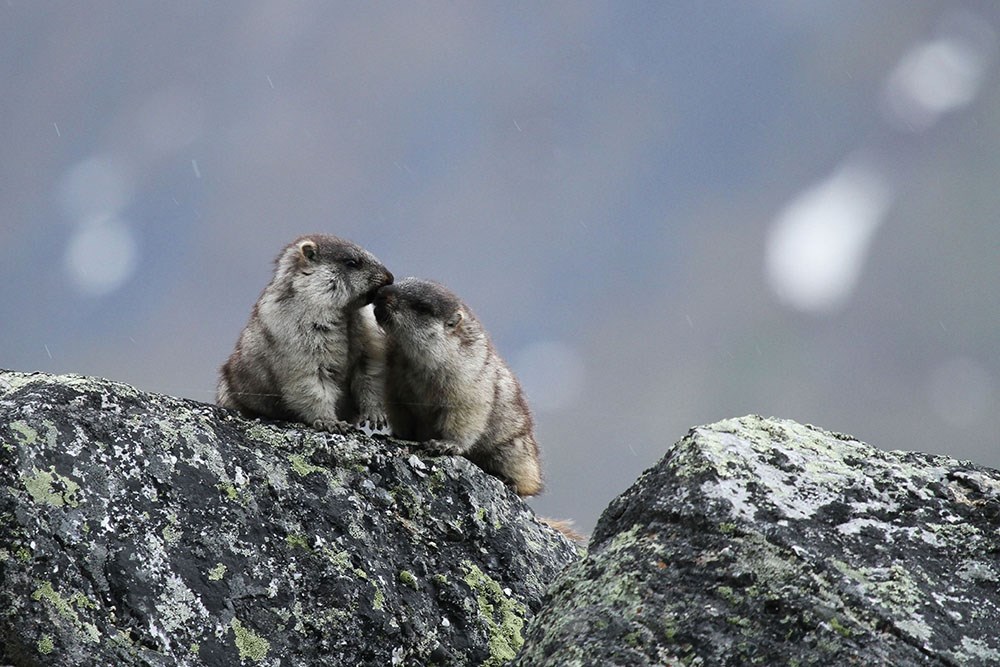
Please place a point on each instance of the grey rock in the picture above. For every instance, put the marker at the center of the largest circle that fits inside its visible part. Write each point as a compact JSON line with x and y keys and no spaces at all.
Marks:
{"x":760,"y":541}
{"x":139,"y":529}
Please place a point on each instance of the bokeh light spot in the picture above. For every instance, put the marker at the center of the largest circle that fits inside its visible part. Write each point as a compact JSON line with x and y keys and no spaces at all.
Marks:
{"x":102,"y":255}
{"x":817,"y":246}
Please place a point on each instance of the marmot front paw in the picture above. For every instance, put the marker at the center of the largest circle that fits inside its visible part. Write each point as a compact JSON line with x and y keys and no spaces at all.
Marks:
{"x":332,"y":426}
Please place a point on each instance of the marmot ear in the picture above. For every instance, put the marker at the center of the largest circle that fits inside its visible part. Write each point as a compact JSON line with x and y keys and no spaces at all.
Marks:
{"x":307,"y":249}
{"x":455,"y":319}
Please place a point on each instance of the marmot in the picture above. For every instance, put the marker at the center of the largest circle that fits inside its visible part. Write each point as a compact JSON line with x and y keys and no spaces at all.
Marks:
{"x":446,"y":387}
{"x":311,"y":351}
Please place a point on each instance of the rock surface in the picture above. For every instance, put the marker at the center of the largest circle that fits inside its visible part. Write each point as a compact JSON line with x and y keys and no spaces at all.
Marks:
{"x":138,"y":529}
{"x":759,"y":541}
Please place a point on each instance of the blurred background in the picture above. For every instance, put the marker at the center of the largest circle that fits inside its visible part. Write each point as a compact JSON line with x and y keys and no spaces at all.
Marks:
{"x":666,"y":213}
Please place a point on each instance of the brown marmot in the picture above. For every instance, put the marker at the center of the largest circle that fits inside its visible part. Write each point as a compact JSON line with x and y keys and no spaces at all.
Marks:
{"x":447,"y":389}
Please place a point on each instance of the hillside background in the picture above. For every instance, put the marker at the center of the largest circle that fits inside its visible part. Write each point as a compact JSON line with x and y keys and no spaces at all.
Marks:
{"x":666,"y":213}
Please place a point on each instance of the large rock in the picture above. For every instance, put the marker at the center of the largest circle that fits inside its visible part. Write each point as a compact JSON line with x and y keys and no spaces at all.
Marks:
{"x":759,"y":541}
{"x":138,"y":529}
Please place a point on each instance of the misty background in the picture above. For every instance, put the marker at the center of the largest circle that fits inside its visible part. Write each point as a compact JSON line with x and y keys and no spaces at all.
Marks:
{"x":665,"y":213}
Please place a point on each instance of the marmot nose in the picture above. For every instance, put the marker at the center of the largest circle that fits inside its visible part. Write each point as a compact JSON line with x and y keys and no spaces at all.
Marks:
{"x":388,"y":277}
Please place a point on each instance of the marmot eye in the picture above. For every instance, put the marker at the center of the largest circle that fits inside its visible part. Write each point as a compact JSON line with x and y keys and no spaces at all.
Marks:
{"x":352,"y":263}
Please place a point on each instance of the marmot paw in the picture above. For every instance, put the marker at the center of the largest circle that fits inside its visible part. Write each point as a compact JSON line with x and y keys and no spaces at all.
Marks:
{"x":332,"y":426}
{"x":441,"y":447}
{"x":376,"y":421}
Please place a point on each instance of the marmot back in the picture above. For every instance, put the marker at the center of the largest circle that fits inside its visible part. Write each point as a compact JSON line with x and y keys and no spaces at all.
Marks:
{"x":448,"y":389}
{"x":311,"y":351}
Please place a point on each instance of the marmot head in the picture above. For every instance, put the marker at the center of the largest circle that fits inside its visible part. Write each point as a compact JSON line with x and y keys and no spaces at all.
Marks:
{"x":330,"y":271}
{"x":426,"y":318}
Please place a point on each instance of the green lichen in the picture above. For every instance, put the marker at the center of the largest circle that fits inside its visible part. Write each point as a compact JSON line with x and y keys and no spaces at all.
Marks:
{"x":327,"y":621}
{"x":81,"y":601}
{"x":296,"y":540}
{"x":378,"y":602}
{"x":958,"y":537}
{"x":28,"y":435}
{"x":503,"y":617}
{"x":892,"y":586}
{"x":437,"y":480}
{"x":228,"y":490}
{"x":407,"y":501}
{"x":303,"y":467}
{"x":250,"y":645}
{"x":407,"y":579}
{"x":51,"y":488}
{"x":670,"y":627}
{"x":620,"y":588}
{"x":727,"y":594}
{"x":45,"y":592}
{"x":340,"y":559}
{"x":217,"y":572}
{"x":267,"y":434}
{"x":633,"y":639}
{"x":45,"y":645}
{"x":839,"y":627}
{"x":297,"y":613}
{"x":171,"y":535}
{"x":738,"y":621}
{"x":172,"y":531}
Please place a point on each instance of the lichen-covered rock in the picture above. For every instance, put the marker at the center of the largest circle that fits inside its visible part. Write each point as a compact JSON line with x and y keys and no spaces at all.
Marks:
{"x":759,"y":541}
{"x":138,"y":529}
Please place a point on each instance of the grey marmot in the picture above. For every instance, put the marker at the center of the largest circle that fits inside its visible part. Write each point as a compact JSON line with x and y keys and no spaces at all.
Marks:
{"x":311,"y":351}
{"x":448,"y":389}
